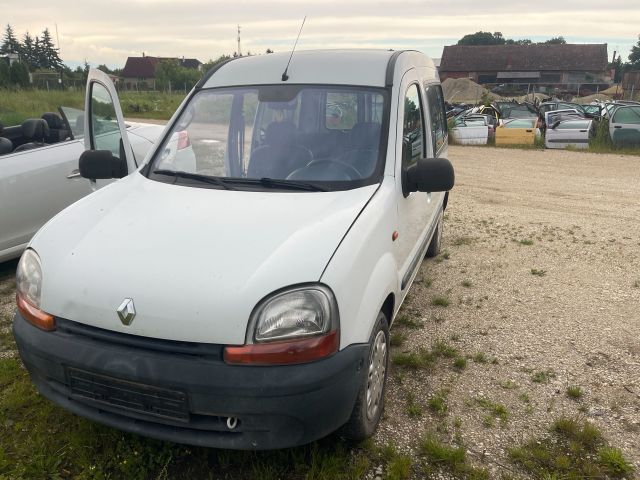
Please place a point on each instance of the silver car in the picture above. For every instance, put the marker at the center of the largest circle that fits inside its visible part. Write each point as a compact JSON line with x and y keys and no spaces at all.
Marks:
{"x":39,"y":173}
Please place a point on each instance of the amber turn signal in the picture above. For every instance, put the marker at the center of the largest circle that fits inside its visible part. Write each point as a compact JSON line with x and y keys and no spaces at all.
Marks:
{"x":284,"y":353}
{"x":34,"y":315}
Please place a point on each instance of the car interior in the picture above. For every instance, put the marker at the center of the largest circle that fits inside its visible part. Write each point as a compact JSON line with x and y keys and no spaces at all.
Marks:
{"x":34,"y":133}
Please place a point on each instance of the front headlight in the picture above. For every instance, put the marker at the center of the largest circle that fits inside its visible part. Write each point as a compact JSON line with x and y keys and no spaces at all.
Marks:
{"x":29,"y":278}
{"x":300,"y":312}
{"x":29,"y":291}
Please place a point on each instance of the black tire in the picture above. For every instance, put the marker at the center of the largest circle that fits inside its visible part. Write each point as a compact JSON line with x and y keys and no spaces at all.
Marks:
{"x":364,"y":420}
{"x":436,"y":240}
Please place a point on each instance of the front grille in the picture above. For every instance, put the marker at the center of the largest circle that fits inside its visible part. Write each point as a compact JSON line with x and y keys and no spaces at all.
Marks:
{"x":131,"y":396}
{"x":207,"y":351}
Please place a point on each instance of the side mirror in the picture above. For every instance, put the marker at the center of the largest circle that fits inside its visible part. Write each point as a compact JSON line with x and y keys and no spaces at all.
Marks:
{"x":429,"y":175}
{"x":101,"y":164}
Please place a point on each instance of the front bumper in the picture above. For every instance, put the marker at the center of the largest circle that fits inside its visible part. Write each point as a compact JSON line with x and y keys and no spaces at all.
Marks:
{"x":184,"y":392}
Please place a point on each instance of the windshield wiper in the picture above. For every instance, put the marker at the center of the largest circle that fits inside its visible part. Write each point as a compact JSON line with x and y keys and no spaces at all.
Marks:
{"x":195,"y":176}
{"x":279,"y":183}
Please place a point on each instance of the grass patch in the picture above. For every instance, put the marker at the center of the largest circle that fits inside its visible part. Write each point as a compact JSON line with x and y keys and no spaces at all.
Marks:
{"x":423,"y":359}
{"x":399,"y":467}
{"x":407,"y":321}
{"x":574,"y":449}
{"x":443,"y":349}
{"x":438,"y":402}
{"x":538,"y":272}
{"x":397,"y":339}
{"x":460,"y":363}
{"x":636,"y":284}
{"x":458,"y":241}
{"x":480,"y":357}
{"x":450,"y":458}
{"x":494,"y":410}
{"x":526,"y":241}
{"x":17,"y":106}
{"x":574,"y":392}
{"x":440,"y":301}
{"x":467,"y":283}
{"x":543,"y":376}
{"x":413,"y":409}
{"x":508,"y":385}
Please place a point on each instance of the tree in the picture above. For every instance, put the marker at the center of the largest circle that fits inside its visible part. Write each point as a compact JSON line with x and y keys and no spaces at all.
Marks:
{"x":19,"y":74}
{"x":269,"y":50}
{"x":104,"y":68}
{"x":482,"y":38}
{"x":556,"y":41}
{"x":5,"y":76}
{"x":10,"y":43}
{"x":27,"y":52}
{"x":634,"y":56}
{"x":49,"y":53}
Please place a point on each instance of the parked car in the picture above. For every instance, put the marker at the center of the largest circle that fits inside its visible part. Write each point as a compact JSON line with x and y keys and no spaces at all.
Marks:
{"x":624,"y":126}
{"x":247,"y":308}
{"x":39,"y":173}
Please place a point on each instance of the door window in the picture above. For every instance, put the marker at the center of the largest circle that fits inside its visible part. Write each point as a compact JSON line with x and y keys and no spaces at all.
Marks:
{"x":435,"y":100}
{"x":627,"y":115}
{"x":412,"y":132}
{"x":105,"y":132}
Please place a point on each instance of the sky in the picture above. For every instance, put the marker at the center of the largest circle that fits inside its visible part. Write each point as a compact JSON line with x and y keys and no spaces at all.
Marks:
{"x":110,"y":31}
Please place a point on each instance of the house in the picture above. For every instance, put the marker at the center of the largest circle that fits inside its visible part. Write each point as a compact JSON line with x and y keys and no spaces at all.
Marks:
{"x":631,"y":83}
{"x":139,"y":73}
{"x":536,"y":63}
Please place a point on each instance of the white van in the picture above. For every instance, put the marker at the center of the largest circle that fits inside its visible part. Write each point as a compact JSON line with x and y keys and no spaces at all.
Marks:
{"x":237,"y":289}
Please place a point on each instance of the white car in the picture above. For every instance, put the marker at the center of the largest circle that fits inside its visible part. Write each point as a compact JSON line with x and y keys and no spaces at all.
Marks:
{"x":39,"y":173}
{"x":244,"y":301}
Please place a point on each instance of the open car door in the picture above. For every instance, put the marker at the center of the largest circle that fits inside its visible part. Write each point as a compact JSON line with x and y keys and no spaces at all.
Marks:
{"x":104,"y":125}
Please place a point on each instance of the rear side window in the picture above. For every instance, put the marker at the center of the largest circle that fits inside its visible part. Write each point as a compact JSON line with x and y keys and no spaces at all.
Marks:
{"x":627,"y":115}
{"x":435,"y":100}
{"x":341,"y":111}
{"x":412,"y":132}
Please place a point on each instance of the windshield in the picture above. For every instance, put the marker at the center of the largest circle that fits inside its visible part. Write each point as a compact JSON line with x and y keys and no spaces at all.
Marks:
{"x":327,"y":136}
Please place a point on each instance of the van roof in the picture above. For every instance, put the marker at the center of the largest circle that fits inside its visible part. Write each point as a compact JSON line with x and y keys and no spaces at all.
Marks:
{"x":332,"y":67}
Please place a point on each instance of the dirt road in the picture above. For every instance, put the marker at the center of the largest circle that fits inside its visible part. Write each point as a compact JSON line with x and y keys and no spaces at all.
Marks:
{"x":542,"y":274}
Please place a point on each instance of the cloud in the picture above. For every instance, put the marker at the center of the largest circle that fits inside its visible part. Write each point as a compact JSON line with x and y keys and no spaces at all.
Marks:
{"x":105,"y":32}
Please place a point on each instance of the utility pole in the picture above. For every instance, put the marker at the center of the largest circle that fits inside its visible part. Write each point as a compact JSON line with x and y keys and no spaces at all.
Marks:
{"x":239,"y":51}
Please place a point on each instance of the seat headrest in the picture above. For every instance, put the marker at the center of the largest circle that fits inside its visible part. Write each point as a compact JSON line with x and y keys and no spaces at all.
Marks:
{"x":35,"y":129}
{"x":279,"y":134}
{"x":6,"y":146}
{"x":365,"y":135}
{"x":53,"y":120}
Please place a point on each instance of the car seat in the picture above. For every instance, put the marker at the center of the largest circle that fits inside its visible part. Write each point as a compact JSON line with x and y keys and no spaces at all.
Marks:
{"x":280,"y":155}
{"x":57,"y":130}
{"x":6,"y":146}
{"x":34,"y":131}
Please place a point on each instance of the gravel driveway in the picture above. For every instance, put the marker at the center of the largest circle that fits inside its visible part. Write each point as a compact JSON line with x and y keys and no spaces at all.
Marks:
{"x":537,"y":290}
{"x":543,"y":283}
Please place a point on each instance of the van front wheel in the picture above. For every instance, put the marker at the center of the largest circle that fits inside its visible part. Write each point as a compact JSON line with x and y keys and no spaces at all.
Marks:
{"x":370,"y":401}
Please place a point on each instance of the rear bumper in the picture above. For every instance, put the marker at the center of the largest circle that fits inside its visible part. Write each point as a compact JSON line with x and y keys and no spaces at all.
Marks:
{"x":276,"y":406}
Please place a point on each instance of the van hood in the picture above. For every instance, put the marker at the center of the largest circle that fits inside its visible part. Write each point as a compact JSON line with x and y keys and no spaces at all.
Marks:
{"x":195,"y":261}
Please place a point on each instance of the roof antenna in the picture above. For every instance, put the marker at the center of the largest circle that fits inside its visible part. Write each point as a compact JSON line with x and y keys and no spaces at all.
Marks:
{"x":285,"y":77}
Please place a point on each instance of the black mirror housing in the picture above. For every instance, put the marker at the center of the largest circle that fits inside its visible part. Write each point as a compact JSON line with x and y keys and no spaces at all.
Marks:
{"x":101,"y":165}
{"x":429,"y":175}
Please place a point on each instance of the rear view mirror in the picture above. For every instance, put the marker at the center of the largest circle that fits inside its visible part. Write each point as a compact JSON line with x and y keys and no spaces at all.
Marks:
{"x":429,"y":175}
{"x":101,"y":165}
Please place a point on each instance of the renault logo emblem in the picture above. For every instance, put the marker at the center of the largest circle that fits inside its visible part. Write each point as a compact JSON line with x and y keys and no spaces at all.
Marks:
{"x":126,"y":311}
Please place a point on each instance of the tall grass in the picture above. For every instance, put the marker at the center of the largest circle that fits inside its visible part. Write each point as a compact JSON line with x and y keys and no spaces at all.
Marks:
{"x":19,"y":105}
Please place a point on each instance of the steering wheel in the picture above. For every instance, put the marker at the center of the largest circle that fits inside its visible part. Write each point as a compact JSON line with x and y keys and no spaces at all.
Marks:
{"x":349,"y":170}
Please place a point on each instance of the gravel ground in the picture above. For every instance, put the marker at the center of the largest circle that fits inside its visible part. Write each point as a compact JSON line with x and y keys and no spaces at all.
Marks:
{"x":572,"y":218}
